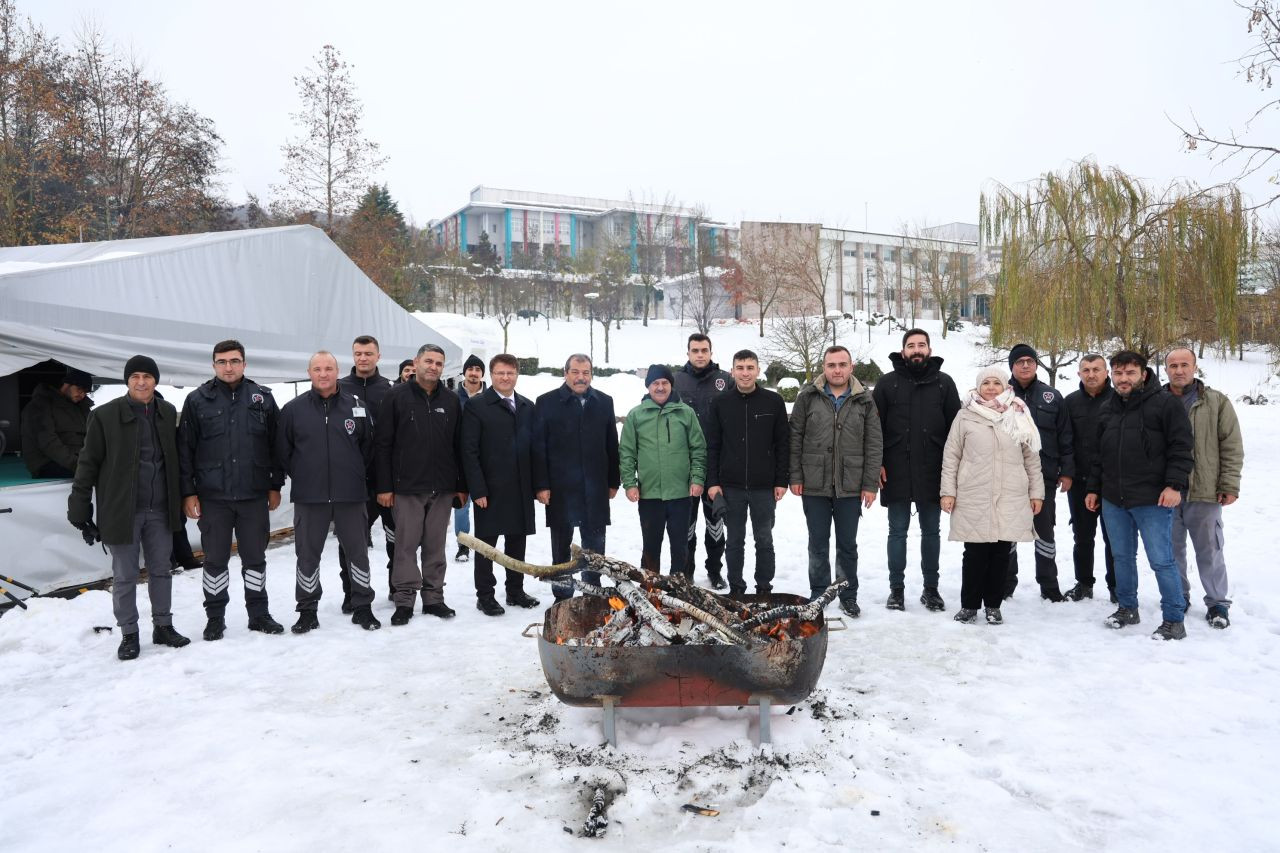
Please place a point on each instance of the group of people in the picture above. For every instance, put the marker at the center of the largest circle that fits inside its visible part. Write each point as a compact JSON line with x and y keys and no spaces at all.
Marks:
{"x":703,"y":441}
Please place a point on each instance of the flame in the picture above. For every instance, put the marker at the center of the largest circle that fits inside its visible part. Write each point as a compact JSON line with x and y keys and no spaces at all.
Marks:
{"x":559,"y":641}
{"x":808,"y":629}
{"x":617,"y":603}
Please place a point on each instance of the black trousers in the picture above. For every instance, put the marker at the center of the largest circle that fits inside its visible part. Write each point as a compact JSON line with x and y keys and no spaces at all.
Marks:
{"x":983,"y":574}
{"x":486,"y":583}
{"x":713,"y":537}
{"x":311,"y":523}
{"x":659,"y":517}
{"x":1046,"y":550}
{"x":1084,"y":527}
{"x":760,"y":505}
{"x":250,"y":521}
{"x":374,"y":511}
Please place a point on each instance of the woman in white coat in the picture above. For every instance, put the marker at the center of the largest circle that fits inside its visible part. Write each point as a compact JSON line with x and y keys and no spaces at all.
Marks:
{"x":991,"y":487}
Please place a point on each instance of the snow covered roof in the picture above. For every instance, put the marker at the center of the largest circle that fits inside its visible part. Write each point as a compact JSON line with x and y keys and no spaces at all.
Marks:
{"x":282,"y":292}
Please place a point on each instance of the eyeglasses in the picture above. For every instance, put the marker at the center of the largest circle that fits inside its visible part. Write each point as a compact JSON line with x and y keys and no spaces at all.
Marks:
{"x":228,"y":362}
{"x":1023,"y":362}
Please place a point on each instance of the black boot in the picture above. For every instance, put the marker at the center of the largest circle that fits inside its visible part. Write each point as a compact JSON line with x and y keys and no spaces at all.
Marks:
{"x":164,"y":635}
{"x":439,"y":609}
{"x":129,"y":647}
{"x":489,"y":606}
{"x":265,"y":624}
{"x":1079,"y":592}
{"x":520,"y":598}
{"x":214,"y":630}
{"x":307,"y":621}
{"x":365,"y":619}
{"x":896,"y":600}
{"x":931,"y":600}
{"x":1050,"y":592}
{"x":401,"y":616}
{"x":716,"y":579}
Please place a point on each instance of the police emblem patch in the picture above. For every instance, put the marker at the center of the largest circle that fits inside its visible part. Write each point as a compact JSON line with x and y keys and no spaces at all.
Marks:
{"x":720,"y":384}
{"x":257,"y":398}
{"x":350,"y":425}
{"x":1048,"y":396}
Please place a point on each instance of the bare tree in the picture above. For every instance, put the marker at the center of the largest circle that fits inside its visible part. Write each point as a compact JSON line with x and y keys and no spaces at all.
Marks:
{"x":763,"y":277}
{"x":330,"y":164}
{"x":704,"y":293}
{"x":657,"y":247}
{"x":797,"y":343}
{"x":938,"y":270}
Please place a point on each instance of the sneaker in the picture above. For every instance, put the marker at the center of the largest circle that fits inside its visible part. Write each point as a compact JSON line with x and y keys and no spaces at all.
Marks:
{"x":129,"y":647}
{"x":307,"y":621}
{"x":931,"y":600}
{"x":520,"y":598}
{"x":993,"y":616}
{"x":965,"y":614}
{"x":1217,"y":617}
{"x":489,"y":606}
{"x":849,"y":607}
{"x":265,"y":624}
{"x":214,"y":630}
{"x":1170,"y":631}
{"x":401,"y":616}
{"x":1123,"y":616}
{"x":1051,"y":592}
{"x":1079,"y":592}
{"x":365,"y":619}
{"x":164,"y":635}
{"x":463,"y":555}
{"x":439,"y":609}
{"x":716,"y":580}
{"x":896,"y":600}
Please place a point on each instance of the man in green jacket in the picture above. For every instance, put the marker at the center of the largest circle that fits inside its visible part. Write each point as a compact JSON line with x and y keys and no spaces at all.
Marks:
{"x":1215,"y":482}
{"x":130,"y":457}
{"x":663,"y":459}
{"x":836,"y":450}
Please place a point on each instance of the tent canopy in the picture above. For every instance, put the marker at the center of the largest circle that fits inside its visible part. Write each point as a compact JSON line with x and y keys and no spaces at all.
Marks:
{"x":282,"y":292}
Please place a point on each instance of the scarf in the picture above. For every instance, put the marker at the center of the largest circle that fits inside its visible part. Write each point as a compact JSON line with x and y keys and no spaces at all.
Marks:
{"x":1009,"y":414}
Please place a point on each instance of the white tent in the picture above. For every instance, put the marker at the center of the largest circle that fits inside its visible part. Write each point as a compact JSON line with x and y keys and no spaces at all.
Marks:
{"x":282,"y":292}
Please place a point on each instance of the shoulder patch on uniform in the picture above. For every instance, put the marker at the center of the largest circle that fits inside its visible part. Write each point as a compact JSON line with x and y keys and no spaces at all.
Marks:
{"x":719,"y":383}
{"x":1048,"y":396}
{"x":350,"y":425}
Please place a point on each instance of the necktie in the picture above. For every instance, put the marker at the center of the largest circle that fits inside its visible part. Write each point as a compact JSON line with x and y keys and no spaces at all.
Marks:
{"x":511,"y":404}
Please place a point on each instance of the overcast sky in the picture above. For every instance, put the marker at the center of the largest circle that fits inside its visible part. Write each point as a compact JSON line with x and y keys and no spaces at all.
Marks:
{"x":900,"y":112}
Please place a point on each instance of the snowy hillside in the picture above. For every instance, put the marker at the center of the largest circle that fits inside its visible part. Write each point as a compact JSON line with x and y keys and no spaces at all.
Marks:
{"x":1050,"y":732}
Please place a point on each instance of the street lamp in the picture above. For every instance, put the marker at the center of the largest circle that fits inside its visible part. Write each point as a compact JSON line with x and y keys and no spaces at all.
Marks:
{"x":834,"y":317}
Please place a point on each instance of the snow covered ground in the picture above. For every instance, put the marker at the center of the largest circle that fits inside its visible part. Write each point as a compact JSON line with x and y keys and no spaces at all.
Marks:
{"x":1047,"y":733}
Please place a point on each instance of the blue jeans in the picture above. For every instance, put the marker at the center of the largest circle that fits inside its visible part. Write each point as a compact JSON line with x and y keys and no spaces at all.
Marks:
{"x":1155,"y":524}
{"x":930,"y":516}
{"x":819,"y":514}
{"x":462,"y":518}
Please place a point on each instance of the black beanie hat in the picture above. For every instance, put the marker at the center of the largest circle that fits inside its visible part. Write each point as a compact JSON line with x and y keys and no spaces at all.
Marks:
{"x":78,"y":378}
{"x":472,"y":361}
{"x":656,"y":372}
{"x":141,"y":364}
{"x":406,"y":363}
{"x":1022,"y":351}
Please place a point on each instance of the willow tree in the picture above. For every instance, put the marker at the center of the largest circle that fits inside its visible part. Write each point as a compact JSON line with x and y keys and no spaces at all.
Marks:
{"x":1092,"y":258}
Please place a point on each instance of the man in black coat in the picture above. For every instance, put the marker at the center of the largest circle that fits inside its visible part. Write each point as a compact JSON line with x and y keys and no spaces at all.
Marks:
{"x":130,"y":460}
{"x":497,"y":464}
{"x":1084,"y":407}
{"x":370,"y":388}
{"x":748,"y":461}
{"x":917,"y":403}
{"x":696,"y":385}
{"x":575,"y":463}
{"x":231,"y":482}
{"x":53,"y":425}
{"x":472,"y":385}
{"x":1057,"y":464}
{"x":1142,"y":467}
{"x":324,"y":442}
{"x":419,"y":477}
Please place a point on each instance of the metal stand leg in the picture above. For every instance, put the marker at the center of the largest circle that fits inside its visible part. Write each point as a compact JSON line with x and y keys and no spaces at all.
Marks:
{"x":765,"y":703}
{"x":609,"y":721}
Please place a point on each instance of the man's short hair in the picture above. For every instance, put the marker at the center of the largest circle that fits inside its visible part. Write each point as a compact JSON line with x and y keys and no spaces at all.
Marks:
{"x":319,"y":353}
{"x":698,"y":336}
{"x":365,"y":340}
{"x":504,"y":358}
{"x":745,"y":355}
{"x":837,"y":348}
{"x":1091,"y":356}
{"x":577,"y":356}
{"x":429,"y":348}
{"x":909,"y":333}
{"x":228,"y":345}
{"x":1175,"y":349}
{"x":1127,"y":357}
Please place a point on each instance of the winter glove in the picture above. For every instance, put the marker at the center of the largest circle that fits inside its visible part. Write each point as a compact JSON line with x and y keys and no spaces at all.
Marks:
{"x":90,"y":532}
